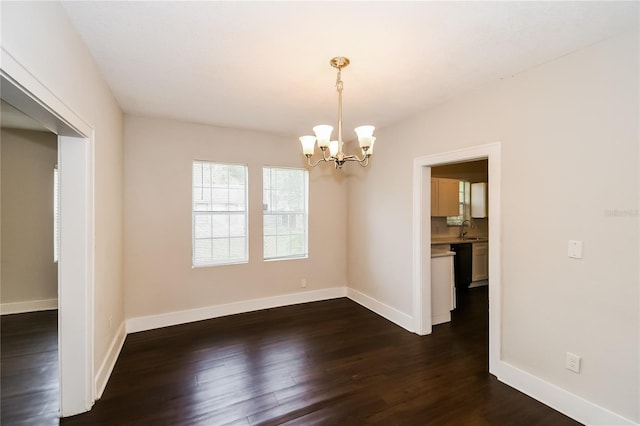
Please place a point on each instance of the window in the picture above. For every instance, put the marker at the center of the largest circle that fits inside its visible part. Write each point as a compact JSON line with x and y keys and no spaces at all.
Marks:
{"x":464,"y":205}
{"x":285,"y":206}
{"x":219,"y":213}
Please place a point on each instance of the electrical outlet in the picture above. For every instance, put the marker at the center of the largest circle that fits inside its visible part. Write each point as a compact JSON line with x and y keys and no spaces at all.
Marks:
{"x":303,"y":282}
{"x":573,"y":362}
{"x":110,"y":322}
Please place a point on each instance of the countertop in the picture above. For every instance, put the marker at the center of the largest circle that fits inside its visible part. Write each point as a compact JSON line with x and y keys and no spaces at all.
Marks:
{"x":456,"y":240}
{"x":442,"y":253}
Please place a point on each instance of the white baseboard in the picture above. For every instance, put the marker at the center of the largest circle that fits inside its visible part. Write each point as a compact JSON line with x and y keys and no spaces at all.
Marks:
{"x":181,"y":317}
{"x":392,"y":314}
{"x":104,"y":372}
{"x":577,"y":408}
{"x":28,"y":306}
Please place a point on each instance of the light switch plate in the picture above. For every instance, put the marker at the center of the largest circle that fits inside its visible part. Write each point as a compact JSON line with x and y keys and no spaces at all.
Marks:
{"x":575,"y":249}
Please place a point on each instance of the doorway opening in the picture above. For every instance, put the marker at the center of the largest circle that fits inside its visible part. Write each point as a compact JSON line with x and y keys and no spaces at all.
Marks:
{"x":29,"y":279}
{"x":422,"y":289}
{"x":75,"y":265}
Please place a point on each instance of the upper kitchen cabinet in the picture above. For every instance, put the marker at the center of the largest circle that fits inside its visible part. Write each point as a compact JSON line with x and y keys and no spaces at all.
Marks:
{"x":478,"y":200}
{"x":445,"y":197}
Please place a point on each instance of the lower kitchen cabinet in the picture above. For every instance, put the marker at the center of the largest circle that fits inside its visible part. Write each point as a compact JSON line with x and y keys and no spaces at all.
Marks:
{"x":443,"y":296}
{"x":480,"y":263}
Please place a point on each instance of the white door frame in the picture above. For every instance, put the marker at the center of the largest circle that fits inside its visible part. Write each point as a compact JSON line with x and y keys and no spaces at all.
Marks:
{"x":76,"y":257}
{"x":422,"y":240}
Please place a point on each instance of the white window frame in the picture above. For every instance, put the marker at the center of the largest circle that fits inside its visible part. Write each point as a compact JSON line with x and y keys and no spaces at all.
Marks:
{"x":212,"y":261}
{"x":304,"y":213}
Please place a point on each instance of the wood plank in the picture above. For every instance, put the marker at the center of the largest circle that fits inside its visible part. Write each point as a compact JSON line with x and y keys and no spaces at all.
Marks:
{"x":330,"y":362}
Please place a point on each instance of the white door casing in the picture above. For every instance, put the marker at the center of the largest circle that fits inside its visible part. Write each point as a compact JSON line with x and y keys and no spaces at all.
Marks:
{"x":422,"y":239}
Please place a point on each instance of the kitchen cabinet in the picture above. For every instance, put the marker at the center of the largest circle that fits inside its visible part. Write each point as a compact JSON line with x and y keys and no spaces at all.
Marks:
{"x":480,"y":262}
{"x":445,"y":195}
{"x":479,"y":200}
{"x":443,"y":296}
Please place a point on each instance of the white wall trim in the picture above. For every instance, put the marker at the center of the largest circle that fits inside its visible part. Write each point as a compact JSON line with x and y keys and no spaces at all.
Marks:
{"x":75,"y":276}
{"x":392,"y":314}
{"x":182,"y":317}
{"x":56,"y":115}
{"x":577,"y":408}
{"x":109,"y":362}
{"x":421,"y":261}
{"x":28,"y":306}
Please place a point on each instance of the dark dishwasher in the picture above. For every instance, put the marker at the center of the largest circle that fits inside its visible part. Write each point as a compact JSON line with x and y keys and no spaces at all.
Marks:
{"x":462,"y":264}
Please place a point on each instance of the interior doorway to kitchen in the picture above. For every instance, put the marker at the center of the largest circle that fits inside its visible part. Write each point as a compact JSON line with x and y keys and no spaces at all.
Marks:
{"x":459,"y":220}
{"x":422,"y":169}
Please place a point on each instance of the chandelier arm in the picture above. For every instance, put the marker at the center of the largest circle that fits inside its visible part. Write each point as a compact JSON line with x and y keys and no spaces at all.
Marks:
{"x":354,"y":158}
{"x":320,"y":160}
{"x":312,"y":164}
{"x":317,"y":162}
{"x":364,"y":161}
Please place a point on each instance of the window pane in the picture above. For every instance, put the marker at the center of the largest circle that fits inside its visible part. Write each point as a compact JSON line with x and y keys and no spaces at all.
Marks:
{"x":237,"y":226}
{"x":285,"y":213}
{"x":237,"y":247}
{"x":270,"y":247}
{"x":283,"y":245}
{"x":219,"y":213}
{"x":202,"y":249}
{"x":220,"y":225}
{"x":297,"y":244}
{"x":202,"y":226}
{"x":298,"y":228}
{"x":219,"y":198}
{"x":236,"y":199}
{"x":220,"y":249}
{"x":236,"y":176}
{"x":283,"y":224}
{"x":270,"y":225}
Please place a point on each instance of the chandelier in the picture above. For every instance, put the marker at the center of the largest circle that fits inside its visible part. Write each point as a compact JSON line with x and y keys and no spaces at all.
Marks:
{"x":323,"y":133}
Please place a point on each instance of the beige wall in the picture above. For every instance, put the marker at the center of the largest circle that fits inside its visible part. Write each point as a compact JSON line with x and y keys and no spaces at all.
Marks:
{"x":158,"y":273}
{"x":28,"y":270}
{"x":569,"y":134}
{"x":39,"y":36}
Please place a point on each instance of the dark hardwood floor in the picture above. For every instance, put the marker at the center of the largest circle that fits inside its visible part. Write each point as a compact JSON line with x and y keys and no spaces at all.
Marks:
{"x":29,"y":392}
{"x":327,"y":363}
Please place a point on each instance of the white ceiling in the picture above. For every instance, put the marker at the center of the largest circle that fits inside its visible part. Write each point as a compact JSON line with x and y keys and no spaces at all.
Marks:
{"x":265,"y":65}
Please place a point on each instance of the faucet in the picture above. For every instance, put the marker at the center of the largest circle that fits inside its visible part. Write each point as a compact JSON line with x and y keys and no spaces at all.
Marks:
{"x":462,"y":231}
